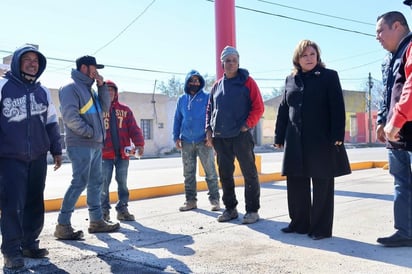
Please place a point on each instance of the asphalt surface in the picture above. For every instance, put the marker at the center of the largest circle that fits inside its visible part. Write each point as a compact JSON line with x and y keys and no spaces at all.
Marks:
{"x":164,"y":240}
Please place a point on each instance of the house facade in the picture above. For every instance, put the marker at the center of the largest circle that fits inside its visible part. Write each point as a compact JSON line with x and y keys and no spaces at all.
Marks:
{"x":154,"y":114}
{"x":360,"y":126}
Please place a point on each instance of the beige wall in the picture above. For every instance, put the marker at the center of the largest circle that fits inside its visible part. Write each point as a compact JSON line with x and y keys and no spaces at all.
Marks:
{"x":355,"y":102}
{"x":269,"y":119}
{"x":159,"y":108}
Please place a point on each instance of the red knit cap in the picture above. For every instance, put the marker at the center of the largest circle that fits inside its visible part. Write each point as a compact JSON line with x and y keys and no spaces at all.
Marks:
{"x":110,"y":83}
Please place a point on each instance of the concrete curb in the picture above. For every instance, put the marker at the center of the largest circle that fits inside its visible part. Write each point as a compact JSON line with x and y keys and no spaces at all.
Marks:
{"x":174,"y":189}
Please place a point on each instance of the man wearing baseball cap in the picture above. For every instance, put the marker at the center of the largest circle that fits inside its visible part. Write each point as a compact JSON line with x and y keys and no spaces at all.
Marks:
{"x":82,"y":111}
{"x":398,"y":132}
{"x":88,"y":61}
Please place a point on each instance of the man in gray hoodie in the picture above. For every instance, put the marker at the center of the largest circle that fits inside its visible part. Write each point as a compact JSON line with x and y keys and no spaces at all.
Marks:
{"x":82,"y":109}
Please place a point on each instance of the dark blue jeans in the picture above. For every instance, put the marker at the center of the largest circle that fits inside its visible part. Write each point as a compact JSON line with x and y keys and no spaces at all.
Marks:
{"x":121,"y":166}
{"x":240,"y":147}
{"x":400,"y":168}
{"x":22,"y":203}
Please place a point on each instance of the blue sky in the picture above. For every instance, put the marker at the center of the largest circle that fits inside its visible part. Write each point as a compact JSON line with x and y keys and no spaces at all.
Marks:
{"x":174,"y":36}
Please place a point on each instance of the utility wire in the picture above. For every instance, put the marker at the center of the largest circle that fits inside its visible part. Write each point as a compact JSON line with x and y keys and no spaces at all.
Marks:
{"x":128,"y":26}
{"x":364,"y":65}
{"x":174,"y":72}
{"x":117,"y":36}
{"x":240,"y":7}
{"x":111,"y":66}
{"x":307,"y":22}
{"x":317,"y":13}
{"x":301,"y":20}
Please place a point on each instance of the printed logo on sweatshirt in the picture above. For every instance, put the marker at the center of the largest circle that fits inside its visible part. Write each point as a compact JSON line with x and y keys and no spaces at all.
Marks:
{"x":15,"y":109}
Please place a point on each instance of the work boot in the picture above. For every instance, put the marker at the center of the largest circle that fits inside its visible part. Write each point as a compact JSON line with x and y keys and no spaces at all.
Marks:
{"x":215,"y":205}
{"x":66,"y":232}
{"x":35,"y":253}
{"x":124,"y":215}
{"x":227,"y":215}
{"x":106,"y":215}
{"x":13,"y":262}
{"x":250,"y":218}
{"x":188,"y":205}
{"x":102,"y":226}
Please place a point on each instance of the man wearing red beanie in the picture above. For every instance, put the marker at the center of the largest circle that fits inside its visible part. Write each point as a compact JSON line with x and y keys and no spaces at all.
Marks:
{"x":123,"y":138}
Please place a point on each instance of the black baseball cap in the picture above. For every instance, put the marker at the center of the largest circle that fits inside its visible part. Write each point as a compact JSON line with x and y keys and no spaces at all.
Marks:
{"x":407,"y":2}
{"x":89,"y":61}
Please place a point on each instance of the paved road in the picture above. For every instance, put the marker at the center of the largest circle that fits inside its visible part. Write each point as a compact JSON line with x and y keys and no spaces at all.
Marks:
{"x":167,"y":171}
{"x":164,"y":240}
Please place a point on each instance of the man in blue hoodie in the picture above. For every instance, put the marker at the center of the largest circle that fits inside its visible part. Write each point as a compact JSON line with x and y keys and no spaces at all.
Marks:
{"x":190,"y":137}
{"x":28,"y":130}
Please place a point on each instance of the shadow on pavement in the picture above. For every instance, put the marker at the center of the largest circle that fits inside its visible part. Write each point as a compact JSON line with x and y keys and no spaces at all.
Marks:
{"x":344,"y":246}
{"x":354,"y":194}
{"x":123,"y":251}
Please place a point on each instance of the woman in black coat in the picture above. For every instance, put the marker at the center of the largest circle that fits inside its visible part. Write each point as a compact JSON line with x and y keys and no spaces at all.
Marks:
{"x":310,"y":126}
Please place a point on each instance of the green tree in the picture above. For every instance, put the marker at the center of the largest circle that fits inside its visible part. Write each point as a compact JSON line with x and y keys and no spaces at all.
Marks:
{"x":209,"y":82}
{"x":274,"y":93}
{"x":173,"y":88}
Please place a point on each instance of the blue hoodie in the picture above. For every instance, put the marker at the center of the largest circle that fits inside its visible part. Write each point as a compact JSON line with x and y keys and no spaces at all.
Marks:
{"x":190,"y":116}
{"x":28,"y":119}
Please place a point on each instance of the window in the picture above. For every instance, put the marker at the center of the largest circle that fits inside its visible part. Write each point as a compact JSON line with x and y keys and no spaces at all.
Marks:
{"x":61,"y":126}
{"x":62,"y":133}
{"x":147,"y":127}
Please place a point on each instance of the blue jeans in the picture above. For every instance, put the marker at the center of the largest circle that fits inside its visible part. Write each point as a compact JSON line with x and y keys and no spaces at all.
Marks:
{"x":400,"y":168}
{"x":189,"y":153}
{"x":87,"y":172}
{"x":121,"y":166}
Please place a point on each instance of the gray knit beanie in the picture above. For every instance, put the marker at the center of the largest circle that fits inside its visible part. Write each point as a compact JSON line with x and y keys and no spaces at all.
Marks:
{"x":228,"y":50}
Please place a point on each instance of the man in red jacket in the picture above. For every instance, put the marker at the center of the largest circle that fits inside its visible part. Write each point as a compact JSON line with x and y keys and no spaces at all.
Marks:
{"x":123,"y":139}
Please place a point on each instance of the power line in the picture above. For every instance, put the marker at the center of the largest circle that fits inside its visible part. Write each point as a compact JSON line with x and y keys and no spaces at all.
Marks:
{"x":111,"y":66}
{"x":240,"y":7}
{"x":363,"y":65}
{"x":183,"y":73}
{"x":301,"y":20}
{"x":305,"y":21}
{"x":317,"y":13}
{"x":146,"y":70}
{"x":128,"y":26}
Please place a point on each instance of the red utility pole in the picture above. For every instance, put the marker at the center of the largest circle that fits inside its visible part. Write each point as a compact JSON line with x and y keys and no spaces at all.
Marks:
{"x":224,"y":29}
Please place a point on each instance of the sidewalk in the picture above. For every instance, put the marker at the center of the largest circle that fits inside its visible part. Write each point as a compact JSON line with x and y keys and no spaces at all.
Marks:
{"x":164,"y":240}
